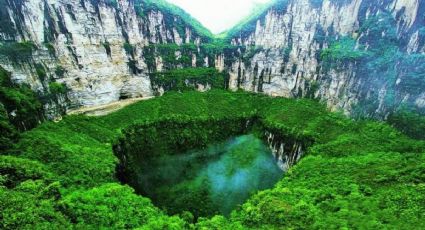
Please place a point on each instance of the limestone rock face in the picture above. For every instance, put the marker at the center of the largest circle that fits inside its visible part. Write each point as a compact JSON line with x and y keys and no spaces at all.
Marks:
{"x":290,"y":36}
{"x":90,"y":40}
{"x":107,"y":49}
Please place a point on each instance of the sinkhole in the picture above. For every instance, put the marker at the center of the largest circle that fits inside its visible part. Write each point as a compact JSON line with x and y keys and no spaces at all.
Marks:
{"x":203,"y":166}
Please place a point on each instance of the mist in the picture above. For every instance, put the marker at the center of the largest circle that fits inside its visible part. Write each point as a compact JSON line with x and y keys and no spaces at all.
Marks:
{"x":219,"y":15}
{"x":211,"y":181}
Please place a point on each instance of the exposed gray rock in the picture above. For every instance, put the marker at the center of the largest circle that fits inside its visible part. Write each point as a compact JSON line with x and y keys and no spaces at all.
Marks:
{"x":82,"y":33}
{"x":293,"y":33}
{"x":89,"y":44}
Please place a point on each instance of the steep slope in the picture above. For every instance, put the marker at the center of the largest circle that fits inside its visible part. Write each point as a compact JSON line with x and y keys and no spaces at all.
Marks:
{"x":248,"y":23}
{"x":97,"y":49}
{"x":360,"y":56}
{"x":351,"y":54}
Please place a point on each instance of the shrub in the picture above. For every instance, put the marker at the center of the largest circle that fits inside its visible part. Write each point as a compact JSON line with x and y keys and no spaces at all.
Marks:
{"x":107,"y":47}
{"x":17,"y":170}
{"x":57,"y":88}
{"x":114,"y":206}
{"x":17,"y":51}
{"x":354,"y":175}
{"x":342,"y":51}
{"x":8,"y":133}
{"x":187,"y":79}
{"x":41,"y":72}
{"x":60,"y":71}
{"x":51,"y":49}
{"x":129,"y":49}
{"x":408,"y":122}
{"x":112,"y":3}
{"x":19,"y":100}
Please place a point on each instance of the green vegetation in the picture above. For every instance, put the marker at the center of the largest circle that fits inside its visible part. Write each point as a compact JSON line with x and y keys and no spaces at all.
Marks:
{"x":408,"y":122}
{"x":129,"y":49}
{"x":112,"y":3}
{"x":250,"y":53}
{"x":413,"y":69}
{"x":168,"y":53}
{"x":174,"y":17}
{"x":7,"y":25}
{"x":19,"y":109}
{"x":57,"y":88}
{"x":382,"y":63}
{"x":107,"y":47}
{"x":8,"y":133}
{"x":247,"y":25}
{"x":17,"y":51}
{"x":189,"y":79}
{"x":28,"y":195}
{"x":376,"y":190}
{"x":212,"y":180}
{"x":120,"y":205}
{"x":175,"y":56}
{"x":221,"y":47}
{"x":51,"y":49}
{"x":60,"y":71}
{"x":41,"y":71}
{"x":355,"y":174}
{"x":342,"y":52}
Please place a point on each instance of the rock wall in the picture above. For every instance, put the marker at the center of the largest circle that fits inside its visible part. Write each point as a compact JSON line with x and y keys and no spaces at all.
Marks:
{"x":104,"y":51}
{"x":292,"y":35}
{"x":286,"y":150}
{"x":99,"y":44}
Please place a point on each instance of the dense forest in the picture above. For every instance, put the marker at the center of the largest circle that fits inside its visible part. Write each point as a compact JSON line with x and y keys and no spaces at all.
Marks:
{"x":354,"y":172}
{"x":213,"y":146}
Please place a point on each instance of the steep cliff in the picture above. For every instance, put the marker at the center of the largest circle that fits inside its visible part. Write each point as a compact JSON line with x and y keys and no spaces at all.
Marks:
{"x":364,"y":57}
{"x":96,"y":49}
{"x":361,"y":56}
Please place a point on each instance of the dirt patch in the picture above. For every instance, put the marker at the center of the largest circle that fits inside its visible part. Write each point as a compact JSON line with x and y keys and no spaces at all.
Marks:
{"x":101,"y":110}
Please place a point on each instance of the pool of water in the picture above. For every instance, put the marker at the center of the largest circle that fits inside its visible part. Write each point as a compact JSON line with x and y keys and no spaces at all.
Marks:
{"x":214,"y":180}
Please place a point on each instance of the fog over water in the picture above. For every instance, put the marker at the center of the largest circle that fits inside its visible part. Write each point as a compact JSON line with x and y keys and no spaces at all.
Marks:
{"x":221,"y":176}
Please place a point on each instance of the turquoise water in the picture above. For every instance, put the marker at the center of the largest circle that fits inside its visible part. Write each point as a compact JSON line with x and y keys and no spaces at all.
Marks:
{"x":211,"y":181}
